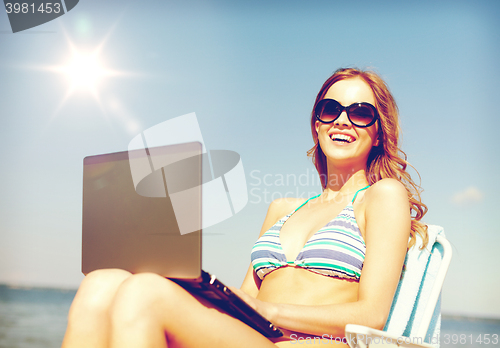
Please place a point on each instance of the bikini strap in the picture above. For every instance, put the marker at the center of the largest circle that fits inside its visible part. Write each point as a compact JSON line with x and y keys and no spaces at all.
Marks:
{"x":356,"y":194}
{"x":306,"y":202}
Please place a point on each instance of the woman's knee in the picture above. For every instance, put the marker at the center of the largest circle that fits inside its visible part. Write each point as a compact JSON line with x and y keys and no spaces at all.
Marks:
{"x":97,"y":290}
{"x":145,"y":295}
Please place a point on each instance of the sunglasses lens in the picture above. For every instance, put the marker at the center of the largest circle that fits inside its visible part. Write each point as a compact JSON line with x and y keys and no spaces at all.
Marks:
{"x":361,"y":115}
{"x":328,"y":110}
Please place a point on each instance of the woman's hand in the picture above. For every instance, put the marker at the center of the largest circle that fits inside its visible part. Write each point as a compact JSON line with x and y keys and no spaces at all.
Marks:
{"x":266,"y":309}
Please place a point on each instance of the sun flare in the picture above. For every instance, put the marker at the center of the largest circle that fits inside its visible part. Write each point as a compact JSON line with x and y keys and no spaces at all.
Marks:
{"x":85,"y":71}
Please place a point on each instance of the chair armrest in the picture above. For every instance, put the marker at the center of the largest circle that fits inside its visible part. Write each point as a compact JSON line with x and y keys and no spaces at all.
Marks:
{"x":359,"y":336}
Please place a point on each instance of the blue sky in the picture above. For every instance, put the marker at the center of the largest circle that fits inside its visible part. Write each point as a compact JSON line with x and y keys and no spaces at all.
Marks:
{"x":250,"y":71}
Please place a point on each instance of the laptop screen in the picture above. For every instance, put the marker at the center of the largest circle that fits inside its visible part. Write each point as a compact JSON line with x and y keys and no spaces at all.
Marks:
{"x":131,"y":224}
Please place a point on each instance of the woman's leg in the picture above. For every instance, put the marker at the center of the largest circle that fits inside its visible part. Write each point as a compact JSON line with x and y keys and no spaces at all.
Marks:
{"x":151,"y":311}
{"x":88,"y":319}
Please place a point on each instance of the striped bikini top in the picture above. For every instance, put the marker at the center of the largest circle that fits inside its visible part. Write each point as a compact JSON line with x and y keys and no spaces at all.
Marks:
{"x":336,"y":250}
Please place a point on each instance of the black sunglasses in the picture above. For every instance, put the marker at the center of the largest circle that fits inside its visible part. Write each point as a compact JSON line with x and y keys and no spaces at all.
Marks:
{"x":360,"y":114}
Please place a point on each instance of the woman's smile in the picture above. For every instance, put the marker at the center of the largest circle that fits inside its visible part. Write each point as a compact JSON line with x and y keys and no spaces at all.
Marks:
{"x":342,"y":139}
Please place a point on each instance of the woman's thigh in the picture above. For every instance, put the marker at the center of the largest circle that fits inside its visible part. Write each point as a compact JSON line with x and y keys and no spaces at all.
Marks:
{"x":148,"y":302}
{"x":97,"y":291}
{"x":88,"y":319}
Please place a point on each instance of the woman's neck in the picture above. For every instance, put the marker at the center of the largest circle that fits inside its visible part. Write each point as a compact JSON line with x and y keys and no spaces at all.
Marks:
{"x":346,"y":182}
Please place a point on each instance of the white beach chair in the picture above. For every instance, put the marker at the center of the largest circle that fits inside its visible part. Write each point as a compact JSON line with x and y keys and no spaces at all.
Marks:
{"x":415,"y":317}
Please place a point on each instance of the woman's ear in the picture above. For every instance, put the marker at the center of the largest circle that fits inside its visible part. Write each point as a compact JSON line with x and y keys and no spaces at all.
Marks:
{"x":378,"y":141}
{"x":316,"y":125}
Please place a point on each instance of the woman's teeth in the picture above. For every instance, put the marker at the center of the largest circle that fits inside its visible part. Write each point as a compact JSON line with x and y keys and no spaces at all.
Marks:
{"x":342,"y":137}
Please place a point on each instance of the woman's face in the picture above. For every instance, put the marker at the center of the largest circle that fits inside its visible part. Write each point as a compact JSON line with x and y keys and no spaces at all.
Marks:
{"x":343,"y":143}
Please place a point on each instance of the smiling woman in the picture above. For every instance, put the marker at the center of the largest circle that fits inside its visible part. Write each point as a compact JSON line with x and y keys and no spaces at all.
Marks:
{"x":318,"y":264}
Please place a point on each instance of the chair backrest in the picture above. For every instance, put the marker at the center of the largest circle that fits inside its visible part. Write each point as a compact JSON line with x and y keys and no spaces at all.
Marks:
{"x":438,"y":284}
{"x":417,"y":300}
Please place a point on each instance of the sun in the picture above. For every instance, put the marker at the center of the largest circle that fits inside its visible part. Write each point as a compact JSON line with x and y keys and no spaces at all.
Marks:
{"x":85,"y":71}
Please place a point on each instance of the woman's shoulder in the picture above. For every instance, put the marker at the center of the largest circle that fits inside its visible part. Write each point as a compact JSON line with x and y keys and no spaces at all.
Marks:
{"x":386,"y":188}
{"x":387,"y":196}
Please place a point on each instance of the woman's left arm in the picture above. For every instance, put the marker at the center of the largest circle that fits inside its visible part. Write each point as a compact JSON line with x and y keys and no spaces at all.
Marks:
{"x":388,"y":223}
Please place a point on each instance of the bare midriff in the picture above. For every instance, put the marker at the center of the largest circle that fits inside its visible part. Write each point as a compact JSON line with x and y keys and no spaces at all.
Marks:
{"x":299,"y":286}
{"x":296,"y":285}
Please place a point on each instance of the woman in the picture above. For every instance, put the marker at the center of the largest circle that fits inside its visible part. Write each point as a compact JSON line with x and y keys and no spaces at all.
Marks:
{"x":305,"y":275}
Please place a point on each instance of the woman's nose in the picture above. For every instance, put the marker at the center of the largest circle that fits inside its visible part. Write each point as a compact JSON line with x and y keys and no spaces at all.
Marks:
{"x":343,"y":119}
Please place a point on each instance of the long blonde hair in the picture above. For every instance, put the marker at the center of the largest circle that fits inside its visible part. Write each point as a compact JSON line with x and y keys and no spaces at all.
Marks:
{"x":386,"y":160}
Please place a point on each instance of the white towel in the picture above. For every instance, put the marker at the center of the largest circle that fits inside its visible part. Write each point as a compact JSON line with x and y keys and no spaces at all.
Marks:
{"x":421,"y":267}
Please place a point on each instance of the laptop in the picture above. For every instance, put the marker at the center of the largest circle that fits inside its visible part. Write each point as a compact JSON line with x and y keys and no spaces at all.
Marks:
{"x":139,"y":232}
